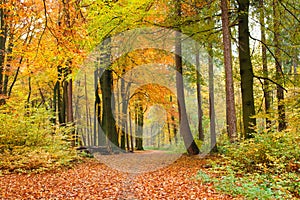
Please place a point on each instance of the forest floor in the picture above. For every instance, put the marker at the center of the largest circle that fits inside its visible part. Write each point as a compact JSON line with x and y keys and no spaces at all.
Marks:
{"x":148,"y":175}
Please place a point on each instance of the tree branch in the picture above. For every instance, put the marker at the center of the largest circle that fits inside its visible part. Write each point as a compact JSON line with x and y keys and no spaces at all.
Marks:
{"x":265,"y":78}
{"x":288,"y":10}
{"x":277,"y":62}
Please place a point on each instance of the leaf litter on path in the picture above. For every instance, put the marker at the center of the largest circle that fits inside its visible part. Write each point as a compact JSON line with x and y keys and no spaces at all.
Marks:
{"x":95,"y":180}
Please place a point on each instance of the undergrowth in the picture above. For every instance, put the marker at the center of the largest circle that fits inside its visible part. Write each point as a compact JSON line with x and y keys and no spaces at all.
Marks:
{"x":264,"y":167}
{"x":30,"y":142}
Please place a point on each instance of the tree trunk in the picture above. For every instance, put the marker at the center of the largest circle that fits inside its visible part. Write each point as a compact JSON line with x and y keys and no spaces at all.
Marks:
{"x":3,"y":36}
{"x":279,"y":72}
{"x":8,"y":66}
{"x":29,"y":91}
{"x":131,"y":132}
{"x":212,"y":115}
{"x":199,"y":97}
{"x":169,"y":131}
{"x":246,"y":70}
{"x":140,"y":124}
{"x":123,"y":114}
{"x":88,"y":125}
{"x":174,"y":129}
{"x":264,"y":63}
{"x":108,"y":121}
{"x":185,"y":130}
{"x":65,"y":100}
{"x":70,"y":114}
{"x":230,"y":102}
{"x":106,"y":80}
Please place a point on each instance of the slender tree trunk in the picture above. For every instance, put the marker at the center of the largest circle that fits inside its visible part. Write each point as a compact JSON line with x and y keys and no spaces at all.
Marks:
{"x":96,"y":114}
{"x":127,"y":134}
{"x":279,"y":72}
{"x":265,"y":63}
{"x":140,"y":125}
{"x":174,"y":129}
{"x":212,"y":115}
{"x":59,"y":96}
{"x":8,"y":67}
{"x":123,"y":113}
{"x":230,"y":102}
{"x":246,"y":70}
{"x":199,"y":97}
{"x":185,"y":130}
{"x":295,"y":64}
{"x":131,"y":132}
{"x":3,"y":36}
{"x":88,"y":125}
{"x":169,"y":131}
{"x":29,"y":91}
{"x":70,"y":114}
{"x":55,"y":109}
{"x":98,"y":132}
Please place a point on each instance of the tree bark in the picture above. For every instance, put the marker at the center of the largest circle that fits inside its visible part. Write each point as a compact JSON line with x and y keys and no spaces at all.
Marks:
{"x":185,"y":130}
{"x":70,"y":114}
{"x":108,"y":121}
{"x":212,"y":115}
{"x":265,"y":63}
{"x":123,"y":114}
{"x":106,"y":82}
{"x":3,"y":36}
{"x":199,"y":97}
{"x":246,"y":70}
{"x":230,"y":102}
{"x":140,"y":124}
{"x":8,"y":66}
{"x":279,"y":72}
{"x":131,"y":132}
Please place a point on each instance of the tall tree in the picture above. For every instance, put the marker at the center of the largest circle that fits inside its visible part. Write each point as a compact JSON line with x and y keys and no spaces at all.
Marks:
{"x":279,"y":71}
{"x":212,"y":114}
{"x":264,"y":62}
{"x":199,"y":97}
{"x":185,"y":130}
{"x":230,"y":103}
{"x":246,"y":70}
{"x":3,"y":36}
{"x":106,"y":81}
{"x":139,"y":112}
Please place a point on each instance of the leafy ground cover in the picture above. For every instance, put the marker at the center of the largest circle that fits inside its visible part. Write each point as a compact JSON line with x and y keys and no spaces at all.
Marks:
{"x":93,"y":180}
{"x":265,"y":167}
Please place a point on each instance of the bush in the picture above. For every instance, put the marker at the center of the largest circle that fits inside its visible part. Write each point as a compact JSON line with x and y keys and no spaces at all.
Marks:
{"x":29,"y":141}
{"x":273,"y":152}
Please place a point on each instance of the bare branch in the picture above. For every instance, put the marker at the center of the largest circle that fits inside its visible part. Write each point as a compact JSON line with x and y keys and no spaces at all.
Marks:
{"x":288,"y":10}
{"x":265,"y":78}
{"x":277,"y":62}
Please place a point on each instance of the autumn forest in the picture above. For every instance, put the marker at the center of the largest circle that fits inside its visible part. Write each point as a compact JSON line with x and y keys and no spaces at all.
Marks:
{"x":149,"y":99}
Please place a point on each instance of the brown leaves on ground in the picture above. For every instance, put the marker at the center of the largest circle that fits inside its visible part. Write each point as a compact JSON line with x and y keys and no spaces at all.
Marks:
{"x":93,"y":180}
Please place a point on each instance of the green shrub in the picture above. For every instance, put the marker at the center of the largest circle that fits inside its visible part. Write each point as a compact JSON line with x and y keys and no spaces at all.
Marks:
{"x":28,"y":140}
{"x":274,"y":152}
{"x":254,"y":186}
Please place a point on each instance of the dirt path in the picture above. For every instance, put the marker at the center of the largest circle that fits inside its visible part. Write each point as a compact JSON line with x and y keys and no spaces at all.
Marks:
{"x":140,"y":161}
{"x":94,"y":180}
